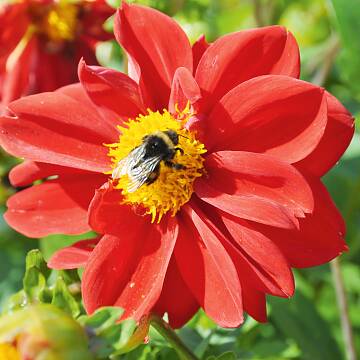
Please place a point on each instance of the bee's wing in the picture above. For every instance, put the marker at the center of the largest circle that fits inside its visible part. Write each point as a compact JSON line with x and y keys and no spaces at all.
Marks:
{"x":140,"y":174}
{"x":136,"y":167}
{"x":125,"y":165}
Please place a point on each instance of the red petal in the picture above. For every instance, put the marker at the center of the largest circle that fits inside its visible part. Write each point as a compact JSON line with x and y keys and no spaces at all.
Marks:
{"x":52,"y":128}
{"x":208,"y":270}
{"x":277,"y":115}
{"x":114,"y":93}
{"x":247,"y":207}
{"x":255,"y":177}
{"x":110,"y":266}
{"x":129,"y":271}
{"x":29,"y":171}
{"x":176,"y":299}
{"x":78,"y":93}
{"x":337,"y":136}
{"x":74,"y":256}
{"x":198,"y":49}
{"x":321,"y":235}
{"x":55,"y":206}
{"x":17,"y":77}
{"x":107,"y":214}
{"x":184,"y":88}
{"x":52,"y":70}
{"x":157,"y":45}
{"x":94,"y":14}
{"x":254,"y":301}
{"x":258,"y":259}
{"x":243,"y":55}
{"x":13,"y":24}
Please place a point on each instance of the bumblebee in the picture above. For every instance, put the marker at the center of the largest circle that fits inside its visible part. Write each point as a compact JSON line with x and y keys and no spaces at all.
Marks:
{"x":142,"y":165}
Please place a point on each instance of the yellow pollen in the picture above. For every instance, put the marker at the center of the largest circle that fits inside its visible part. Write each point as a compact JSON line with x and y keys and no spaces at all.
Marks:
{"x":9,"y":352}
{"x":174,"y":186}
{"x":57,"y":22}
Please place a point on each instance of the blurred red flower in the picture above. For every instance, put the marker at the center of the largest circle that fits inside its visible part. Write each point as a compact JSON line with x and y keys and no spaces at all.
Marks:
{"x":41,"y":42}
{"x":247,"y":210}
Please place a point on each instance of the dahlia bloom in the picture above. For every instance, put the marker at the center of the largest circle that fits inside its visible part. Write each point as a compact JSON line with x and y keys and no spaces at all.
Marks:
{"x":41,"y":42}
{"x":223,"y":227}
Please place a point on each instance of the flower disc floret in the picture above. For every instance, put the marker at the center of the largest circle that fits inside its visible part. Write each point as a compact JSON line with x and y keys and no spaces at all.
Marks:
{"x":56,"y":22}
{"x":173,"y":187}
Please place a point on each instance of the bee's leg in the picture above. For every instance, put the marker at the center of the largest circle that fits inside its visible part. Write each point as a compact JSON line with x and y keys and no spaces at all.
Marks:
{"x":175,"y":166}
{"x":153,"y":175}
{"x":180,"y":150}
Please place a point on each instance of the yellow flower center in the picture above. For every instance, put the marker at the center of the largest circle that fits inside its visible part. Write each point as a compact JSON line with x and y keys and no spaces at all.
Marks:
{"x":57,"y":22}
{"x":158,"y":181}
{"x":9,"y":352}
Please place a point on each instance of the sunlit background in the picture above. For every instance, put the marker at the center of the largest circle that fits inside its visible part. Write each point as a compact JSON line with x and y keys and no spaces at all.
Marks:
{"x":308,"y":326}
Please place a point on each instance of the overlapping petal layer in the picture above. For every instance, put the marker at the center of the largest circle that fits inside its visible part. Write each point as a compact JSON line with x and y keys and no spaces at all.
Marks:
{"x":105,"y":211}
{"x":148,"y":36}
{"x":176,"y":299}
{"x":321,"y":235}
{"x":267,"y":115}
{"x":53,"y":128}
{"x":113,"y":92}
{"x":337,"y":136}
{"x":243,"y":55}
{"x":184,"y":89}
{"x":55,"y":206}
{"x":73,"y":256}
{"x":208,"y":269}
{"x":258,"y":259}
{"x":29,"y":171}
{"x":137,"y":269}
{"x":256,"y":187}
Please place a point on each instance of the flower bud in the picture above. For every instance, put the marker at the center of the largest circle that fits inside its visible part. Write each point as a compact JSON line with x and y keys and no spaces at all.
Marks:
{"x":42,"y":332}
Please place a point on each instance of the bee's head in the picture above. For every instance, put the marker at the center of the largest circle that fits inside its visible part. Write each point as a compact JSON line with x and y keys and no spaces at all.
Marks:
{"x":174,"y":137}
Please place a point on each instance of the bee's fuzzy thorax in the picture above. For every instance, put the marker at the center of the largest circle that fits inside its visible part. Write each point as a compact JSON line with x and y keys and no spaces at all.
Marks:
{"x":164,"y":137}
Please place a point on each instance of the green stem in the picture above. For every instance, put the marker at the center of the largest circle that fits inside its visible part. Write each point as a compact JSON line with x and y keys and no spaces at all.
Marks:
{"x":343,"y":309}
{"x":169,"y":334}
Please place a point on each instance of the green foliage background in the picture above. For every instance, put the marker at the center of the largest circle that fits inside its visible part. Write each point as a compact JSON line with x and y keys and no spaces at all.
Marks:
{"x":308,"y":325}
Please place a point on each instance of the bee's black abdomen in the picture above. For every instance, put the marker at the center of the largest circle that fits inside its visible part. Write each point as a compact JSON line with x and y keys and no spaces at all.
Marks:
{"x":175,"y":166}
{"x":154,"y":175}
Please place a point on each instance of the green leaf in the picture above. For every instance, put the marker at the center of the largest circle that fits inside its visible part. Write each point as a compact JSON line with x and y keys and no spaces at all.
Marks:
{"x":343,"y":182}
{"x":102,"y":318}
{"x":14,"y":248}
{"x":298,"y":318}
{"x":41,"y":285}
{"x":229,"y":355}
{"x":70,"y":277}
{"x":63,"y":299}
{"x":108,"y":336}
{"x":36,"y":273}
{"x":200,"y":350}
{"x":15,"y":302}
{"x":191,"y":338}
{"x":348,"y":18}
{"x":34,"y":258}
{"x":144,"y":352}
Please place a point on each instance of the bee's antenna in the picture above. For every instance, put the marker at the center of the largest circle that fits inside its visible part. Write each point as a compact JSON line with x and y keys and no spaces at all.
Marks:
{"x":183,"y":136}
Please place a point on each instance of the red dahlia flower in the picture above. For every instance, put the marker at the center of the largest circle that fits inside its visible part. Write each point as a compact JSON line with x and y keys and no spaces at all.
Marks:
{"x":221,"y":221}
{"x":41,"y":42}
